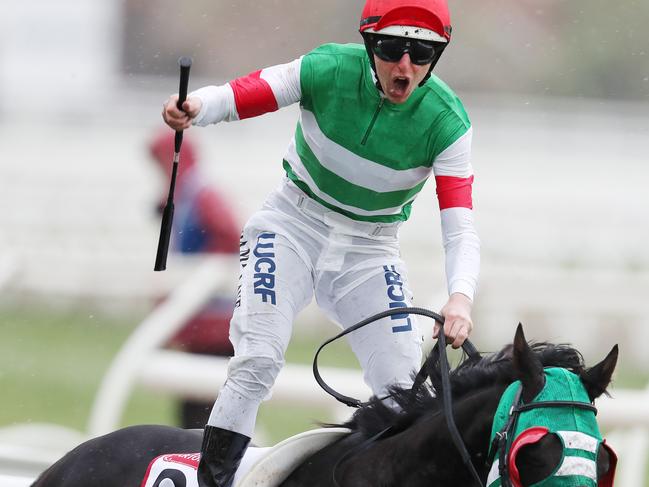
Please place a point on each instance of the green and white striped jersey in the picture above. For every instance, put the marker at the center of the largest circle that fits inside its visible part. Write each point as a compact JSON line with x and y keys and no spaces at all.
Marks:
{"x":360,"y":155}
{"x":356,"y":152}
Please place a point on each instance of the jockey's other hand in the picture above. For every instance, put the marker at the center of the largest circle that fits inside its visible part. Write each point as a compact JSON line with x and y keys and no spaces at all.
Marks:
{"x":181,"y":119}
{"x":457,"y":320}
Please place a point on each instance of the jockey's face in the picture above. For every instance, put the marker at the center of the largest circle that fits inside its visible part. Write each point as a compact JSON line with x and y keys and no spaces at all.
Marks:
{"x":399,"y":79}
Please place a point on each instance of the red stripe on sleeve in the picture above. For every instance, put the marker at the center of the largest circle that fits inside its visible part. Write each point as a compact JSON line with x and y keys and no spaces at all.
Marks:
{"x":253,"y":96}
{"x":453,"y":192}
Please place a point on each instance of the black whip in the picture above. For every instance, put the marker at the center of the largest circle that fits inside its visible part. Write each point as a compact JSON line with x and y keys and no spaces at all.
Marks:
{"x":168,"y":214}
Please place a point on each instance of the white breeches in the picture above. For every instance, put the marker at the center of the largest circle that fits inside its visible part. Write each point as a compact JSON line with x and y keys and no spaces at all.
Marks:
{"x":291,"y":250}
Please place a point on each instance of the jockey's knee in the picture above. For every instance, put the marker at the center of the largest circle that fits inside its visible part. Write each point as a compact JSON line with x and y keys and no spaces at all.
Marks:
{"x":396,"y":367}
{"x":253,"y":376}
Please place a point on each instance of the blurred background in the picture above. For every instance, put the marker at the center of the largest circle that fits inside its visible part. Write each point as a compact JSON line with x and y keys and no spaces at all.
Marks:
{"x":558,"y":93}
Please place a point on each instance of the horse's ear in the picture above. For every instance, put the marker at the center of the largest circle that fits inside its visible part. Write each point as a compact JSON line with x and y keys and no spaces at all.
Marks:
{"x":598,"y":377}
{"x":528,"y":367}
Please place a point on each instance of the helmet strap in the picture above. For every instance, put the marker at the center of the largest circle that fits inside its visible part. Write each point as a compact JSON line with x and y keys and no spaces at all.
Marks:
{"x":432,"y":65}
{"x":370,"y":55}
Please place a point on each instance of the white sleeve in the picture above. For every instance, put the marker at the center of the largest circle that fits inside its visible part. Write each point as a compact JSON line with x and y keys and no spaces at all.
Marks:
{"x":455,"y":160}
{"x":284,"y":80}
{"x":219,"y":104}
{"x":462,"y":248}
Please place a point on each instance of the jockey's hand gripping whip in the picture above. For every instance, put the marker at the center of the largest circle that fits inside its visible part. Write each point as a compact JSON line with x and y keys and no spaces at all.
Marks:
{"x":168,"y":214}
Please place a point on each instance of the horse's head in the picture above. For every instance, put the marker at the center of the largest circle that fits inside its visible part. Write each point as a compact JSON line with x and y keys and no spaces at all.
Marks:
{"x":545,"y":432}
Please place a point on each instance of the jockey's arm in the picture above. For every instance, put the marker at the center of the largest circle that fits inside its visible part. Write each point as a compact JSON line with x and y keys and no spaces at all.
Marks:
{"x":454,"y":179}
{"x":249,"y":96}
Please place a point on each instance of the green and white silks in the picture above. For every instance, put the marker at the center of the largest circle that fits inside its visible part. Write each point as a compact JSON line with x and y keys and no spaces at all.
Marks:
{"x":359,"y":154}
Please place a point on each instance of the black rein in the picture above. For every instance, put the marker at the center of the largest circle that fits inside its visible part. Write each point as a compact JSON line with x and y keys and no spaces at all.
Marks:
{"x":424,"y":373}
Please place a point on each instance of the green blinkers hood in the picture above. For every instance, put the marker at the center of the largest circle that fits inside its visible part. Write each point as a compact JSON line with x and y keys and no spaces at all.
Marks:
{"x":576,"y":427}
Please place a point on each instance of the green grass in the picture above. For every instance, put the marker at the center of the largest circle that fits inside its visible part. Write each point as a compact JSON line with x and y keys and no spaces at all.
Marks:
{"x":52,"y":362}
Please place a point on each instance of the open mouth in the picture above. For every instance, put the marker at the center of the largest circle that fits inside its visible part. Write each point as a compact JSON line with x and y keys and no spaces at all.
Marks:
{"x":400,"y":86}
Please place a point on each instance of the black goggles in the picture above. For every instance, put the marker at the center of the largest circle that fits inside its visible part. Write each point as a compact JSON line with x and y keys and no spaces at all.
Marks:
{"x":392,"y":49}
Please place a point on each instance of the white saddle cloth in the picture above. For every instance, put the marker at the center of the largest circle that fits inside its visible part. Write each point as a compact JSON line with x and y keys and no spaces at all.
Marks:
{"x":260,"y":467}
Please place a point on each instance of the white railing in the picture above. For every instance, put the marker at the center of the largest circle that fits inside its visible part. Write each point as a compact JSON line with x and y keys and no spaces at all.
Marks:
{"x":200,"y":376}
{"x":15,"y":481}
{"x":626,"y":416}
{"x":8,"y":268}
{"x":213,"y":273}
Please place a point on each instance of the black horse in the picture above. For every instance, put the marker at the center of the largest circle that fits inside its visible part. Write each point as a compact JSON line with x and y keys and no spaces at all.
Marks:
{"x":418,"y":451}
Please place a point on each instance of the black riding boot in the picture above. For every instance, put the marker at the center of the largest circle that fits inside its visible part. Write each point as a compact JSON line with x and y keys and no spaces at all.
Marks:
{"x":221,"y":453}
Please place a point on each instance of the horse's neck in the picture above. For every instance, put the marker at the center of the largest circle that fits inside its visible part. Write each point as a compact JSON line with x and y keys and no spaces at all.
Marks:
{"x":473,"y":417}
{"x":424,"y":454}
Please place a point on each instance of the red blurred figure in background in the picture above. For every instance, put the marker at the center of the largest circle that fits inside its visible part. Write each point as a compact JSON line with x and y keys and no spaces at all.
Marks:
{"x":203,"y":223}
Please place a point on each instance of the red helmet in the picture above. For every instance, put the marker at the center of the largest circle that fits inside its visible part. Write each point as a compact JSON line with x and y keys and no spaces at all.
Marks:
{"x":427,"y":20}
{"x":421,"y":19}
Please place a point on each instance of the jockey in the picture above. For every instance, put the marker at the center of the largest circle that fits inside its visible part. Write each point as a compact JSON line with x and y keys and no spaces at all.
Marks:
{"x":374,"y":125}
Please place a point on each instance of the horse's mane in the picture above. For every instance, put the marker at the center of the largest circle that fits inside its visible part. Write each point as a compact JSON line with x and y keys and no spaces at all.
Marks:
{"x":491,"y":371}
